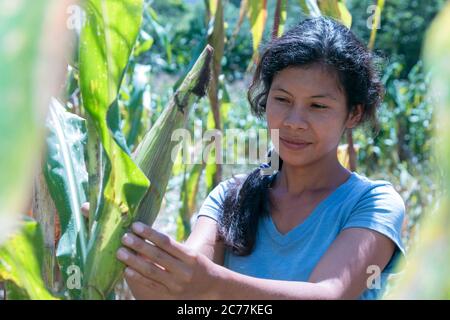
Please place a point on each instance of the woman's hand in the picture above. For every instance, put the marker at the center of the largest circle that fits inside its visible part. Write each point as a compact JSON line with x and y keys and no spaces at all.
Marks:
{"x":165,"y":268}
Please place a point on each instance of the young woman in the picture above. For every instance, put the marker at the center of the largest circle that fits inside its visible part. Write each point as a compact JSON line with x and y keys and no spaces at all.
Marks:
{"x":312,"y":230}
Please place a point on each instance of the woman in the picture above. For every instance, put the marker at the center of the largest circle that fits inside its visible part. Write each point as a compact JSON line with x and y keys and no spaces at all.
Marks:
{"x":312,"y":230}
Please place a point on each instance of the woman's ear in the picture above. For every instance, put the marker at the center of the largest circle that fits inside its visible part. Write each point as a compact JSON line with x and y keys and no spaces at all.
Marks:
{"x":354,"y":117}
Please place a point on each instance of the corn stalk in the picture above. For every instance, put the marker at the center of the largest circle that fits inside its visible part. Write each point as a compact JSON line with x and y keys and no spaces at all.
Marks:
{"x":279,"y":18}
{"x":216,"y":38}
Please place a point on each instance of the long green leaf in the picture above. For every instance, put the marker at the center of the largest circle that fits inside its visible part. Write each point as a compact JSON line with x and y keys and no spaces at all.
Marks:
{"x":331,"y":8}
{"x":257,"y":14}
{"x":106,"y":42}
{"x":346,"y":16}
{"x":21,"y":261}
{"x":310,"y":8}
{"x":24,"y":26}
{"x":67,"y":178}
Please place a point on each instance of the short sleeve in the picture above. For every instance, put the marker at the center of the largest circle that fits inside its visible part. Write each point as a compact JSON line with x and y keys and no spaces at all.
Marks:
{"x":381,"y":209}
{"x":213,"y":205}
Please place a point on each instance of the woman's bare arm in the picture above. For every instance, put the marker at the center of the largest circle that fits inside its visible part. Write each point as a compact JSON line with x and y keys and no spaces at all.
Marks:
{"x":203,"y":239}
{"x":340,"y":274}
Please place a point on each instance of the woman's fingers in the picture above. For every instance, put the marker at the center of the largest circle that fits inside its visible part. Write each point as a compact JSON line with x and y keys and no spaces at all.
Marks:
{"x":164,"y":242}
{"x":155,"y":254}
{"x":144,"y":288}
{"x":147,"y":269}
{"x":85,"y":209}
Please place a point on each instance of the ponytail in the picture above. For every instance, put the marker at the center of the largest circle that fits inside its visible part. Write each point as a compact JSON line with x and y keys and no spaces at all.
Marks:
{"x":245,"y":202}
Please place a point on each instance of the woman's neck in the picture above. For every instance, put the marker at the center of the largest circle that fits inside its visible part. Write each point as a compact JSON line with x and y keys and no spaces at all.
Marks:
{"x":323,"y":174}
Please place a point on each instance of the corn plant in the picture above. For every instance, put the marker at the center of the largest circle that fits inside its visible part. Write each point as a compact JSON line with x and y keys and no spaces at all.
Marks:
{"x":120,"y":189}
{"x":31,"y":70}
{"x":106,"y":43}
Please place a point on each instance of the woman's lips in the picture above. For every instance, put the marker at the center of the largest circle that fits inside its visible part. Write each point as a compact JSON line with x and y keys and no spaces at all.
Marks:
{"x":294,"y":145}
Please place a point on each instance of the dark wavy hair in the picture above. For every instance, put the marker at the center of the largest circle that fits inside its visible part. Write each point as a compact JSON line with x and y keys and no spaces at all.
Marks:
{"x":321,"y":41}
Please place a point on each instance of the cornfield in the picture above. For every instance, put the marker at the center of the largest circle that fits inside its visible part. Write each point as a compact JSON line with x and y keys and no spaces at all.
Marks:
{"x":82,"y":122}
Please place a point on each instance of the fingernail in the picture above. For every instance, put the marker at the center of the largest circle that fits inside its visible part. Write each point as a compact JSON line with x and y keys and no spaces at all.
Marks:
{"x":122,"y":254}
{"x":129,"y":272}
{"x":127,"y":239}
{"x":138,"y":227}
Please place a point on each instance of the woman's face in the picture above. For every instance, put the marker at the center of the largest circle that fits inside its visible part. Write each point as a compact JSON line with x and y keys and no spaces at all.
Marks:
{"x":310,"y":111}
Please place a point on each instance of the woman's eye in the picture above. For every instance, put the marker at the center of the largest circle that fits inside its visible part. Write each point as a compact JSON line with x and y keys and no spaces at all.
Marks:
{"x":281,"y":99}
{"x":318,"y":106}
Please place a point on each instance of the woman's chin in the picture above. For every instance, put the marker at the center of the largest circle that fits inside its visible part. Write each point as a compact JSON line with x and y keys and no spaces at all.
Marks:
{"x":295,"y":159}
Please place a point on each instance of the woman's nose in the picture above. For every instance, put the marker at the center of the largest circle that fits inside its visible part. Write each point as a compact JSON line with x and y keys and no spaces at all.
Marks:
{"x":297,"y":118}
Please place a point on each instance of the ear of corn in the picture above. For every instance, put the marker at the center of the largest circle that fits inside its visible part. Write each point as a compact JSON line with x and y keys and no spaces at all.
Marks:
{"x":154,"y":153}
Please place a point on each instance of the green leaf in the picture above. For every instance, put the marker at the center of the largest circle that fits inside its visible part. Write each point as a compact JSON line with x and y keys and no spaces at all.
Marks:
{"x":331,"y":8}
{"x":133,"y":121}
{"x":67,"y":178}
{"x":337,"y":10}
{"x":257,"y":14}
{"x":346,"y":16}
{"x":21,"y":261}
{"x":14,"y":292}
{"x":23,"y":112}
{"x":106,"y":42}
{"x":310,"y":7}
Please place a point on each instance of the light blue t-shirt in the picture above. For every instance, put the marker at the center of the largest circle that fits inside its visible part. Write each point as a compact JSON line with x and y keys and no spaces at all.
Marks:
{"x":358,"y":202}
